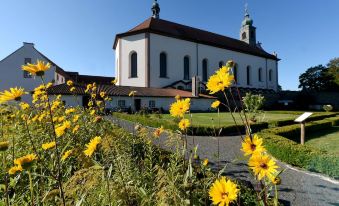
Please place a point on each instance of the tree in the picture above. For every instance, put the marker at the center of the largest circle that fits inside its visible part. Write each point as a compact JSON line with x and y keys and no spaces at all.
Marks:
{"x":313,"y":78}
{"x":333,"y":69}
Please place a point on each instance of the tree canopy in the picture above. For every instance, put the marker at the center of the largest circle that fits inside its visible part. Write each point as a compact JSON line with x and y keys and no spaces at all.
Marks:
{"x":321,"y":78}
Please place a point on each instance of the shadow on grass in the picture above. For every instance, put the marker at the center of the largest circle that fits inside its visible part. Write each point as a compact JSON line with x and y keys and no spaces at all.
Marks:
{"x":321,"y":133}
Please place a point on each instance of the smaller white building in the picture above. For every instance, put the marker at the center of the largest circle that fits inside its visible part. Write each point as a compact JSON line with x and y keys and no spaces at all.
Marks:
{"x":152,"y":99}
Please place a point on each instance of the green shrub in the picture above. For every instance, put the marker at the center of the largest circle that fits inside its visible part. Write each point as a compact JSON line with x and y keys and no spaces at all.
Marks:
{"x":301,"y":155}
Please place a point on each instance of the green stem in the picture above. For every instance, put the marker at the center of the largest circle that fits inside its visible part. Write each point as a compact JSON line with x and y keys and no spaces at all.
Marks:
{"x":6,"y":178}
{"x":31,"y":187}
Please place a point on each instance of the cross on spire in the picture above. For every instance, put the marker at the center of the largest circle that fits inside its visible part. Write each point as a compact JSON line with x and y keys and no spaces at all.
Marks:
{"x":155,"y":9}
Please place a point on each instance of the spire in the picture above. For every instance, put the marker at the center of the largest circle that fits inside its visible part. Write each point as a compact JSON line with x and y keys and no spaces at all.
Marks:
{"x":155,"y":10}
{"x":247,"y":20}
{"x":247,"y":30}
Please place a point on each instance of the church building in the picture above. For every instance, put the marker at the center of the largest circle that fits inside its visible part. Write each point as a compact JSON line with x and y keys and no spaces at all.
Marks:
{"x":162,"y":54}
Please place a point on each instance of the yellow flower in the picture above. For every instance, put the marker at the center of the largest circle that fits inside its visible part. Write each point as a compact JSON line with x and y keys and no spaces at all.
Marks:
{"x":91,"y":147}
{"x":102,"y":94}
{"x":220,"y":80}
{"x":66,"y":155}
{"x":26,"y":160}
{"x":93,"y":96}
{"x":89,"y":86}
{"x":4,"y":145}
{"x":72,"y":89}
{"x":49,"y":85}
{"x":215,"y":104}
{"x":92,"y":112}
{"x":47,"y":146}
{"x":184,"y":124}
{"x":180,"y":107}
{"x":61,"y":129}
{"x":177,"y":97}
{"x":24,"y":105}
{"x":205,"y":162}
{"x":12,"y":94}
{"x":70,"y":83}
{"x":223,"y":192}
{"x":15,"y":169}
{"x":253,"y":146}
{"x":158,"y":131}
{"x":37,"y":69}
{"x":75,"y":129}
{"x":76,"y":118}
{"x":132,"y":93}
{"x":61,"y":119}
{"x":70,"y":110}
{"x":114,"y":82}
{"x":262,"y":165}
{"x":275,"y":180}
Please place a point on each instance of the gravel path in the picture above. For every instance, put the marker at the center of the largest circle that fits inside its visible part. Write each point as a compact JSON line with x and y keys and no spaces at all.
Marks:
{"x":298,"y":187}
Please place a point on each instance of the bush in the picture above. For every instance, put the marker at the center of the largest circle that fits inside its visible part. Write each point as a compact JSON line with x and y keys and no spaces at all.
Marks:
{"x":301,"y":155}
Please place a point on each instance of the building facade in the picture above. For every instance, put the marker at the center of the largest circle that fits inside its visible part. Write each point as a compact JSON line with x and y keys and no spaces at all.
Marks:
{"x":158,"y":53}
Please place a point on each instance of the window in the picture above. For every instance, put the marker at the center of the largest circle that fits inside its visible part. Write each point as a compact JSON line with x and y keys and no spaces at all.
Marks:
{"x":204,"y":70}
{"x":26,"y":73}
{"x":243,"y":36}
{"x":248,"y":75}
{"x":221,"y":64}
{"x":122,"y":103}
{"x":163,"y":65}
{"x":259,"y":75}
{"x":235,"y":73}
{"x":151,"y":104}
{"x":186,"y":68}
{"x":270,"y":75}
{"x":134,"y":65}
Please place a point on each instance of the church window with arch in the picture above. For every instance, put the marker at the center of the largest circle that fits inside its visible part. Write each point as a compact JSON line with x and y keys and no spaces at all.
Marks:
{"x":134,"y":65}
{"x":186,"y":68}
{"x":248,"y":75}
{"x":163,"y":64}
{"x":270,"y":75}
{"x":260,"y":74}
{"x":204,"y":70}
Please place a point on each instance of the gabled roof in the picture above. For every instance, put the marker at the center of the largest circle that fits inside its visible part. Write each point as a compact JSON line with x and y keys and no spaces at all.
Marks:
{"x":112,"y":90}
{"x":179,"y":31}
{"x":88,"y":79}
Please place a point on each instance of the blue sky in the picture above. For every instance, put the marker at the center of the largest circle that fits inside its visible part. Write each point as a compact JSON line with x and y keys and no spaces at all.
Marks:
{"x":78,"y":34}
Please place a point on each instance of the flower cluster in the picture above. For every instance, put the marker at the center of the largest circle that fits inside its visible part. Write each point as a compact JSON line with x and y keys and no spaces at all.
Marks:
{"x":221,"y":79}
{"x":22,"y":163}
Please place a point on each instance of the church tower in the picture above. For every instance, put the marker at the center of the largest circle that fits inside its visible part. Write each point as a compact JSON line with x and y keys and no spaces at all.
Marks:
{"x":155,"y":9}
{"x":247,"y":30}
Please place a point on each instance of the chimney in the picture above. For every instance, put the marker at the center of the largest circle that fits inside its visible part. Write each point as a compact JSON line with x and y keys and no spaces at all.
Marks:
{"x":195,"y":86}
{"x":28,"y":44}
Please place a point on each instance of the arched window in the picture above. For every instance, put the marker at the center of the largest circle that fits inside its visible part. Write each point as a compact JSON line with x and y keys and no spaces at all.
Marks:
{"x":235,"y":73}
{"x":186,"y":68}
{"x":163,"y":64}
{"x":134,"y":65}
{"x":259,"y":74}
{"x":270,"y":75}
{"x":204,"y":70}
{"x":221,"y":64}
{"x":248,"y":75}
{"x":243,"y":36}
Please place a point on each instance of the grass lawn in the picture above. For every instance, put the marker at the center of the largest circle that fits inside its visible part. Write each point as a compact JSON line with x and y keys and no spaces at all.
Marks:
{"x":327,"y":140}
{"x":210,"y":119}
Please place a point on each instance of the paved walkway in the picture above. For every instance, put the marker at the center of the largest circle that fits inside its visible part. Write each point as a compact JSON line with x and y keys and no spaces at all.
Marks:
{"x":298,"y":187}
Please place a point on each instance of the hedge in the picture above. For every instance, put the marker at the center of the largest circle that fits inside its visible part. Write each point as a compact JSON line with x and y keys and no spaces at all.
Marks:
{"x":282,"y":143}
{"x":303,"y":156}
{"x":315,"y":117}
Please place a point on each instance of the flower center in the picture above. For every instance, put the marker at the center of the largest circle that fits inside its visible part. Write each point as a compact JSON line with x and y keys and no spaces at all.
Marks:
{"x":253,"y":147}
{"x":224,"y":195}
{"x":263,"y":165}
{"x":17,"y":99}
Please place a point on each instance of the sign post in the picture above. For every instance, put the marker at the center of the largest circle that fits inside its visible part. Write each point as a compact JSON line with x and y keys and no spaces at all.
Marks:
{"x":301,"y":119}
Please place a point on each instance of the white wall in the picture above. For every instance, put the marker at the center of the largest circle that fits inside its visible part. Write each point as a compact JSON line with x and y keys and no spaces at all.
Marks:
{"x":129,"y":44}
{"x":12,"y":74}
{"x":177,"y":49}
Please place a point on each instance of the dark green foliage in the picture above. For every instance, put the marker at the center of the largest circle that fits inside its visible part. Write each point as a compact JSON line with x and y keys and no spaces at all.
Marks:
{"x":281,"y":142}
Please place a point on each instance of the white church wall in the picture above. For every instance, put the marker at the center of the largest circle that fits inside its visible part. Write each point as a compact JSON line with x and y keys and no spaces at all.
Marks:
{"x":12,"y":74}
{"x":129,"y":44}
{"x":177,"y":49}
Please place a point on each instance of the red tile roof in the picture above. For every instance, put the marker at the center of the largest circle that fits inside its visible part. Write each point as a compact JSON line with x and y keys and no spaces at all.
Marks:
{"x":179,"y":31}
{"x":112,"y":90}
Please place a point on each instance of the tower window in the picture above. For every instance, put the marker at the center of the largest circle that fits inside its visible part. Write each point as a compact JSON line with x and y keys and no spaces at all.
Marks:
{"x":163,"y":64}
{"x":204,"y":70}
{"x":186,"y":68}
{"x":243,"y":36}
{"x":260,"y":75}
{"x":248,"y":75}
{"x":134,"y":65}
